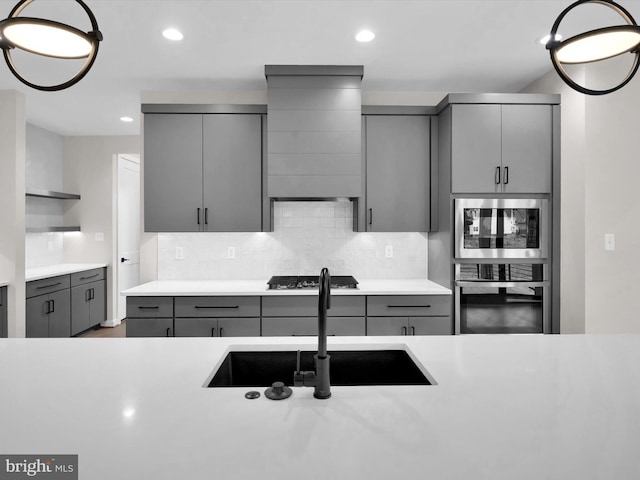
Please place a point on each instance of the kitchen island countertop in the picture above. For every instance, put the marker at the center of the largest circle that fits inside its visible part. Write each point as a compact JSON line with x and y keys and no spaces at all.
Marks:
{"x":505,"y":407}
{"x":259,"y":287}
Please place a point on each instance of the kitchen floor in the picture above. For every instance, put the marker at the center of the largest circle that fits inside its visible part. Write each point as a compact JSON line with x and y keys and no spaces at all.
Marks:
{"x":107,"y":332}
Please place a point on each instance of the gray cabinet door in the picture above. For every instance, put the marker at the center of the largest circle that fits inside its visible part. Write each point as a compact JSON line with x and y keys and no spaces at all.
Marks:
{"x":232,"y":166}
{"x":172,"y":164}
{"x":238,"y":327}
{"x":80,"y":308}
{"x":37,"y":317}
{"x":98,"y":303}
{"x":476,"y":149}
{"x":3,"y":312}
{"x":196,"y":327}
{"x":430,"y":325}
{"x":60,"y":314}
{"x":149,"y":327}
{"x":526,"y":148}
{"x":398,"y":173}
{"x":387,"y":326}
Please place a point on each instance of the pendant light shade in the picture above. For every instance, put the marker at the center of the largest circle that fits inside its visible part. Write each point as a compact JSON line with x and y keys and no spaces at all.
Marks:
{"x":51,"y":39}
{"x":595,"y":45}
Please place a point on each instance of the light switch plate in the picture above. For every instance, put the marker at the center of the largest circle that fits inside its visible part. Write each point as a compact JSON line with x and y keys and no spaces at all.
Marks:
{"x":388,"y":251}
{"x":179,"y":253}
{"x":609,"y":242}
{"x":99,"y":236}
{"x":231,"y":252}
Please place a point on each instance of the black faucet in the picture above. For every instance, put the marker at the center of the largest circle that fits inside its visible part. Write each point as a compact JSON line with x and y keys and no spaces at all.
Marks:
{"x":320,"y":378}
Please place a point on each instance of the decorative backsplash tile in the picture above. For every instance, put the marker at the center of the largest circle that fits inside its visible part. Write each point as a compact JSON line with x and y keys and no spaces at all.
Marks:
{"x":307,"y":236}
{"x":43,"y":249}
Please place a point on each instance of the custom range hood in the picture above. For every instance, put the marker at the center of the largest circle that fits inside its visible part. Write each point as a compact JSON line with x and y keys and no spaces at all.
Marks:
{"x":314,"y":132}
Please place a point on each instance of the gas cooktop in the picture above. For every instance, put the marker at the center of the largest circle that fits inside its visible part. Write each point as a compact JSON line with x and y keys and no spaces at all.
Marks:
{"x":295,"y":282}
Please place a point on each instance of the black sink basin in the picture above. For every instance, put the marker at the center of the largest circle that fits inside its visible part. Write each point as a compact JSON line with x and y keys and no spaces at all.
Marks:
{"x":348,"y":367}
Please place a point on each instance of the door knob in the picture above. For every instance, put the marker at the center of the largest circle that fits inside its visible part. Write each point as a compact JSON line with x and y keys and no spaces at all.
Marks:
{"x":122,"y":259}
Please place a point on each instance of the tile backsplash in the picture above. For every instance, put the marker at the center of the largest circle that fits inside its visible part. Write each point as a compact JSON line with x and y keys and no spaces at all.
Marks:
{"x":307,"y":236}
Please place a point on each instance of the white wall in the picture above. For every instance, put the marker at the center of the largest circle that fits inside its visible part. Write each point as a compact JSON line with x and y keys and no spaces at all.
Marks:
{"x":12,"y":200}
{"x":600,"y":174}
{"x":90,"y":168}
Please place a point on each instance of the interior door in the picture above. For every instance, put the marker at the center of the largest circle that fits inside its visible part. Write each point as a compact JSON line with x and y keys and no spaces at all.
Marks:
{"x":128,"y":260}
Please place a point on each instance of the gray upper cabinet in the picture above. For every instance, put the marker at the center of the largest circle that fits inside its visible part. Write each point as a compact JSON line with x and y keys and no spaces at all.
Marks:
{"x":397,"y":173}
{"x":202,"y":172}
{"x":501,"y":148}
{"x":232,"y":173}
{"x":173,"y":173}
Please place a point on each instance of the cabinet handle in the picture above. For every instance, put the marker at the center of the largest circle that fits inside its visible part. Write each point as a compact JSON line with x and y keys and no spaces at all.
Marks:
{"x":156,"y":307}
{"x":93,"y":294}
{"x":221,"y":331}
{"x":48,"y":307}
{"x":91,"y":276}
{"x":213,"y":331}
{"x":371,"y":216}
{"x":413,"y":330}
{"x":404,"y":330}
{"x":408,"y":306}
{"x":53,"y":306}
{"x":497,"y":175}
{"x":206,"y":216}
{"x":168,"y":331}
{"x":505,"y":178}
{"x":216,"y":306}
{"x":48,"y":286}
{"x":198,"y":215}
{"x":87,"y":295}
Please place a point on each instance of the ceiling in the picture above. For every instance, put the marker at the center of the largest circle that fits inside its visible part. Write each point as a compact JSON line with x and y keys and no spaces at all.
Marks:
{"x":420,"y":46}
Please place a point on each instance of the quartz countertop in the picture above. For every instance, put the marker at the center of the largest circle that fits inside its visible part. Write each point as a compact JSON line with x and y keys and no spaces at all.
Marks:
{"x":59,"y":269}
{"x":3,"y":283}
{"x":523,"y":407}
{"x":259,"y":287}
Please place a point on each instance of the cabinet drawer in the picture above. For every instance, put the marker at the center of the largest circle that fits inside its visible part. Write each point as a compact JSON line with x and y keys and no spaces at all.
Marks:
{"x":308,"y":326}
{"x":409,"y":305}
{"x":150,"y":327}
{"x":47,"y":285}
{"x":212,"y":307}
{"x":307,"y":306}
{"x":87,"y":276}
{"x":149,"y":307}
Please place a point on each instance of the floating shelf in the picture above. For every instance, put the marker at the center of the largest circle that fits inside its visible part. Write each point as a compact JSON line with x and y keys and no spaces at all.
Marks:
{"x":51,"y":229}
{"x":34,"y":192}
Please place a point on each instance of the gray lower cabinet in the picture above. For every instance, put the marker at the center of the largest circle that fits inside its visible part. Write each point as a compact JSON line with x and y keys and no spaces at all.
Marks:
{"x":217,"y":316}
{"x":88,"y":300}
{"x":216,"y":186}
{"x":298,"y":315}
{"x":409,"y":315}
{"x":3,"y":313}
{"x":48,"y":308}
{"x":149,"y":316}
{"x":398,"y":164}
{"x":500,"y":148}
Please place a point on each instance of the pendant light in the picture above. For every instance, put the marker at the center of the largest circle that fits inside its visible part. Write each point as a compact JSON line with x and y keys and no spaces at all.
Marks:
{"x":50,"y":39}
{"x":595,"y":45}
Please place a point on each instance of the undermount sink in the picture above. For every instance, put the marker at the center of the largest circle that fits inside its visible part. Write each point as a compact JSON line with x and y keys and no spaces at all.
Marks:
{"x":348,"y":368}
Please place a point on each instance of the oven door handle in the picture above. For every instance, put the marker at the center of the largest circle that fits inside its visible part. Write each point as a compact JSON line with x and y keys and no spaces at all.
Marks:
{"x":480,"y":283}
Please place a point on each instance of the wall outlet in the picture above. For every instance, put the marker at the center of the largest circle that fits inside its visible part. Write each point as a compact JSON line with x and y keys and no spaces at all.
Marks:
{"x":99,"y":237}
{"x":231,"y":252}
{"x":179,"y":253}
{"x":388,"y":251}
{"x":609,"y":242}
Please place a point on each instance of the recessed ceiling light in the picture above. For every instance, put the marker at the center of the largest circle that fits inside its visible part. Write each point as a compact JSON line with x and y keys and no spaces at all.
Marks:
{"x":126,"y":119}
{"x":365,"y":36}
{"x":172,"y":34}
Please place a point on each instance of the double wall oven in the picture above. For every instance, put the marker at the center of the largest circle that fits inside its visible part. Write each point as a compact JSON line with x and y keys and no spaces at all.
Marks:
{"x":501,"y":265}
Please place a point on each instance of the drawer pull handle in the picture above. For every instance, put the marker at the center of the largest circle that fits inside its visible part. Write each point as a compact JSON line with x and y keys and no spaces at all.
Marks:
{"x":216,"y":306}
{"x":90,"y":276}
{"x":48,"y":286}
{"x":149,"y":308}
{"x":408,"y":306}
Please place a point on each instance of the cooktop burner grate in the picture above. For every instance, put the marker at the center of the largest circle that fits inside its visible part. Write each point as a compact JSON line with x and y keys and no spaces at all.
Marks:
{"x":309,"y":281}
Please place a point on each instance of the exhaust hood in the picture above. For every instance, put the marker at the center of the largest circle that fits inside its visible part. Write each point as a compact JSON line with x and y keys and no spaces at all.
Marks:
{"x":314,"y":131}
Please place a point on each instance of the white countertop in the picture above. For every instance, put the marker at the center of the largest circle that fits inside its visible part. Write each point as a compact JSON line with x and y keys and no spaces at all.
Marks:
{"x":259,"y":287}
{"x":59,"y":269}
{"x":3,"y":283}
{"x":506,"y":407}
